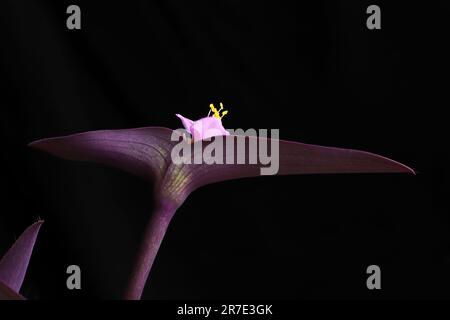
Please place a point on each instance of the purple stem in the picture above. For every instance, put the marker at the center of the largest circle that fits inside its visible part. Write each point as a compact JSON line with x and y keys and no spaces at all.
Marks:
{"x":153,"y":236}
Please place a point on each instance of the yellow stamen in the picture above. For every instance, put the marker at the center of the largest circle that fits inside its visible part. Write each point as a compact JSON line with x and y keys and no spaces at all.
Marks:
{"x":224,"y":113}
{"x":217,"y":112}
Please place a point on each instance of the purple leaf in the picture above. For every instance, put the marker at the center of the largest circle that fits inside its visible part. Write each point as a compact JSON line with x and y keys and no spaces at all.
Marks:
{"x":14,"y":263}
{"x":294,"y":159}
{"x":146,"y":152}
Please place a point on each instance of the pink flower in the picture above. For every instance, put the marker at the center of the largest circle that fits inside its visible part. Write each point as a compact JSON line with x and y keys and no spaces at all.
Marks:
{"x":207,"y":127}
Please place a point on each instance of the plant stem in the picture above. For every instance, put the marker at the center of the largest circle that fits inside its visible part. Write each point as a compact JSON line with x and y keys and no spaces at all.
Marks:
{"x":153,"y":236}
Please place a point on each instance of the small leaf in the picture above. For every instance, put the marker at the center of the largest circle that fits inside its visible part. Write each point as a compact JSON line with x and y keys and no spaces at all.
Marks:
{"x":14,"y":264}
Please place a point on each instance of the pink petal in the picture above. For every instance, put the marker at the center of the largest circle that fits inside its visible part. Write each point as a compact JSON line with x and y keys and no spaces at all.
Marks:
{"x":207,"y":127}
{"x":187,"y":123}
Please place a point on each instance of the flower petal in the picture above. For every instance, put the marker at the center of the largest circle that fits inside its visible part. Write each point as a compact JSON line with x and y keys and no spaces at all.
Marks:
{"x":187,"y":123}
{"x":206,"y":128}
{"x":14,"y":263}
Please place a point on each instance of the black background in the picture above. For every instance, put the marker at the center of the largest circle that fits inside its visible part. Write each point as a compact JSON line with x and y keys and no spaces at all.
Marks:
{"x":311,"y":69}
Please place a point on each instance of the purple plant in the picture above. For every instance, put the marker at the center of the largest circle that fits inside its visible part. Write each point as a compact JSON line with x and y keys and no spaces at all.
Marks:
{"x":146,"y":152}
{"x":14,"y":264}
